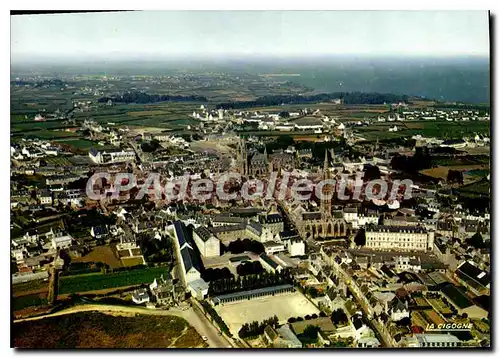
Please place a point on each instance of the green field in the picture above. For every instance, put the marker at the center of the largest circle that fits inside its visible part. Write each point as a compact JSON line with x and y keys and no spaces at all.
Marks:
{"x":84,"y":283}
{"x":19,"y":303}
{"x":479,"y":188}
{"x":80,"y":143}
{"x":440,"y":129}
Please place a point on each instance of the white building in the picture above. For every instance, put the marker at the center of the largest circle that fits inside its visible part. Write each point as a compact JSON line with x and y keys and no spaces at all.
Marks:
{"x":206,"y":242}
{"x":399,"y":238}
{"x":433,"y":340}
{"x":111,"y":156}
{"x":62,"y":242}
{"x":140,"y":296}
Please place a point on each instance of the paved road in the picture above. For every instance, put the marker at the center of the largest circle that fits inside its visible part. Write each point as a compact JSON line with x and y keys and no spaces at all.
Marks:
{"x":192,"y":316}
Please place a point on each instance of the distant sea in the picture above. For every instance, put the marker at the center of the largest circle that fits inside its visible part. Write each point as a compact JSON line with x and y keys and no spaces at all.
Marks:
{"x":461,"y":79}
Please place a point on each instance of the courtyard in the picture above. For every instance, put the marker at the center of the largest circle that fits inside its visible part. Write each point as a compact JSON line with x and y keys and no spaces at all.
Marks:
{"x":235,"y":314}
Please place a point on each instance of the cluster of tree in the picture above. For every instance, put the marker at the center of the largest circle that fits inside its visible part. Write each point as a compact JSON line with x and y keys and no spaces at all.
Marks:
{"x":360,"y":238}
{"x":284,"y":114}
{"x":142,"y":97}
{"x":249,"y":268}
{"x":150,"y":147}
{"x":347,"y":97}
{"x":254,"y":329}
{"x":309,"y":335}
{"x":281,"y":142}
{"x":215,"y":317}
{"x":213,"y":274}
{"x":476,"y":241}
{"x":191,"y":137}
{"x":311,"y":291}
{"x":249,"y":282}
{"x":372,"y":172}
{"x":420,"y":160}
{"x":156,"y":251}
{"x":455,"y":176}
{"x":404,"y":322}
{"x":306,"y":317}
{"x":239,"y":246}
{"x":45,"y":83}
{"x":339,"y":317}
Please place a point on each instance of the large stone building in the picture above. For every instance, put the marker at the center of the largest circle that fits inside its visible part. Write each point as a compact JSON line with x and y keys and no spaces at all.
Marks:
{"x":323,"y":223}
{"x":383,"y":237}
{"x":207,"y":243}
{"x":272,"y":225}
{"x":190,"y":265}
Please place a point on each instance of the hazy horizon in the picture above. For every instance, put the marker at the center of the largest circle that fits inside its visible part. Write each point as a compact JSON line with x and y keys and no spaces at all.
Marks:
{"x":216,"y":35}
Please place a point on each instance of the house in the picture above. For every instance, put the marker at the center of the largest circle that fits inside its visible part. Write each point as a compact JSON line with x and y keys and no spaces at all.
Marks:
{"x":476,"y":280}
{"x":99,"y":231}
{"x":45,"y":197}
{"x":272,"y":225}
{"x":162,"y":291}
{"x":398,"y":310}
{"x":127,"y":242}
{"x":269,"y":264}
{"x":282,"y":337}
{"x":368,"y":342}
{"x":140,"y":296}
{"x":62,"y":241}
{"x":293,"y":242}
{"x":111,"y":156}
{"x":272,"y":247}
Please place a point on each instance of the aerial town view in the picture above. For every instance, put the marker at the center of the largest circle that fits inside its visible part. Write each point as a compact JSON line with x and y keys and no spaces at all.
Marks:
{"x":251,"y":179}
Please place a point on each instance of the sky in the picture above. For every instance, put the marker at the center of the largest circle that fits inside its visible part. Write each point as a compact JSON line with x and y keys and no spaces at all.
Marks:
{"x":173,"y":34}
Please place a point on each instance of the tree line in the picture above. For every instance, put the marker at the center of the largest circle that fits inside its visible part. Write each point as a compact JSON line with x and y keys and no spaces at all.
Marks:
{"x":142,"y":97}
{"x":249,"y":282}
{"x":254,"y":329}
{"x":347,"y":97}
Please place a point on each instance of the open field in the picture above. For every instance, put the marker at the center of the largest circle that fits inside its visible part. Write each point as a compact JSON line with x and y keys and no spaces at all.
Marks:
{"x":133,"y":261}
{"x":146,"y":113}
{"x":30,"y":287}
{"x":101,"y":254}
{"x":440,"y":129}
{"x":84,"y":283}
{"x":440,"y":306}
{"x":442,"y":172}
{"x":284,"y":306}
{"x":479,"y":188}
{"x":98,"y":330}
{"x":433,"y":317}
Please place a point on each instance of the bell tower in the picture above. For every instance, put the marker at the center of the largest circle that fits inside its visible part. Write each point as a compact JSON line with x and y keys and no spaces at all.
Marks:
{"x":326,"y":201}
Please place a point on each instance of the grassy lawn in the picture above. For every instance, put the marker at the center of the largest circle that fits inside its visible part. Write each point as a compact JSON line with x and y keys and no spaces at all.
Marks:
{"x":19,"y":303}
{"x":481,"y":187}
{"x":29,"y":286}
{"x":98,"y":330}
{"x":84,"y":283}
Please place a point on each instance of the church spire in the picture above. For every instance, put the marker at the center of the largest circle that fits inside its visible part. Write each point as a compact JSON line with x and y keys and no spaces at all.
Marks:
{"x":325,"y":165}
